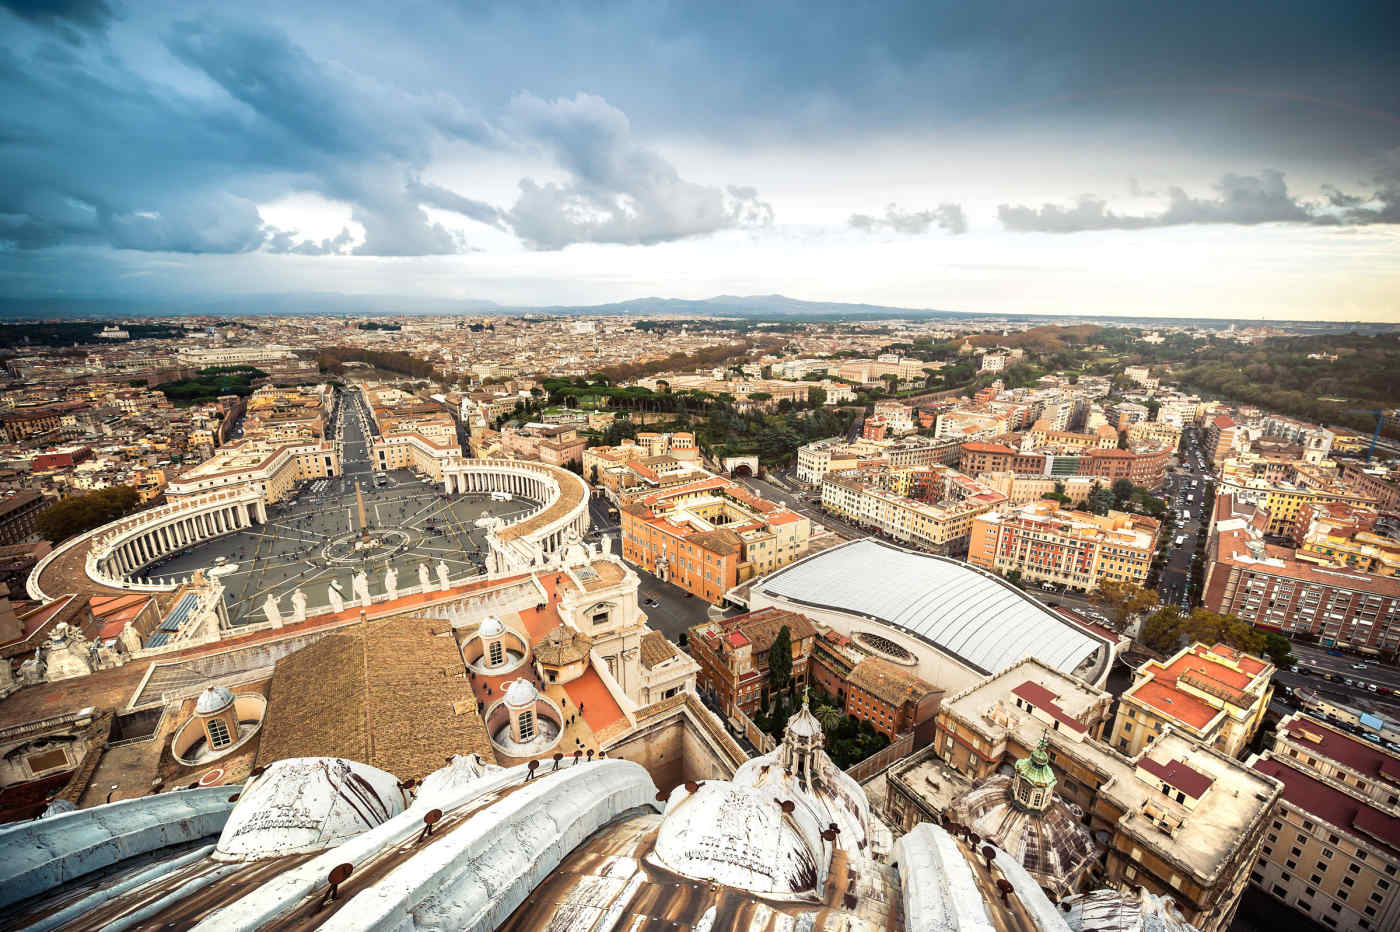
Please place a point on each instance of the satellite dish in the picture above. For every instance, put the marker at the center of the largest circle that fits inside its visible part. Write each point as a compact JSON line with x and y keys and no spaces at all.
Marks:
{"x":211,"y":776}
{"x":340,"y":873}
{"x":432,"y":816}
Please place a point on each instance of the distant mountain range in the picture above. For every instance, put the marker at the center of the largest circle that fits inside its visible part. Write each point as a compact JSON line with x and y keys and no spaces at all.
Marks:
{"x":767,"y":305}
{"x":755,"y":307}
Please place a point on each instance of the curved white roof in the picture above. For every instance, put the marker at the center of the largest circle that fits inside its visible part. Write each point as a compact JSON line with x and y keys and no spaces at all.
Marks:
{"x":307,"y":804}
{"x":980,"y":619}
{"x":741,"y":837}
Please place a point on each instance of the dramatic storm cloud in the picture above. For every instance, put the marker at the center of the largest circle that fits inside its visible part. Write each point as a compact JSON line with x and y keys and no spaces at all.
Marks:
{"x":542,"y":152}
{"x":617,"y":191}
{"x":286,"y":122}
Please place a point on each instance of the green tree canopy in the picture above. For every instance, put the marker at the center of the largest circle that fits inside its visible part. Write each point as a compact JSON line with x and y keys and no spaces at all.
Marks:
{"x":780,"y":660}
{"x":1279,"y":649}
{"x":78,"y":513}
{"x":1124,"y":600}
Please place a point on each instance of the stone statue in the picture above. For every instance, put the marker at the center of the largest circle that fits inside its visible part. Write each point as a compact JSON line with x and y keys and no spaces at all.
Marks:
{"x":32,"y":671}
{"x":423,"y":582}
{"x":298,"y":605}
{"x":130,"y":638}
{"x":360,"y":585}
{"x":270,"y":609}
{"x":442,"y":575}
{"x":607,"y":544}
{"x":337,"y":600}
{"x":67,"y":654}
{"x":391,"y":583}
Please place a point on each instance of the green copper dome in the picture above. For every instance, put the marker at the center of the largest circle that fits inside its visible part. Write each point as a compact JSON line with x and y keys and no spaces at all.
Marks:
{"x":1036,"y":768}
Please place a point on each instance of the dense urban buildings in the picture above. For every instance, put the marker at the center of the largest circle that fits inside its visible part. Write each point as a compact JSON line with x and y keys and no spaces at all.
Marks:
{"x":1047,"y":544}
{"x":604,"y":527}
{"x":709,"y":535}
{"x":1176,"y":818}
{"x":929,"y":507}
{"x":1279,"y":587}
{"x":1332,"y":851}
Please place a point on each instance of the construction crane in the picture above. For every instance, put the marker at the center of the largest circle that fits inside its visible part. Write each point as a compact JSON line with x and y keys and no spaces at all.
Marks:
{"x":1380,"y":419}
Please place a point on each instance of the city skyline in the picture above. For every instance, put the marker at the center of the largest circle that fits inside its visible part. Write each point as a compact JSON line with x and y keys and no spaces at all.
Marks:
{"x":1192,"y":161}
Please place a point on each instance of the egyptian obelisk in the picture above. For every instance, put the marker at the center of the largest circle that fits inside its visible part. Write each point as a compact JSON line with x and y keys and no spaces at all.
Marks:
{"x":360,"y":505}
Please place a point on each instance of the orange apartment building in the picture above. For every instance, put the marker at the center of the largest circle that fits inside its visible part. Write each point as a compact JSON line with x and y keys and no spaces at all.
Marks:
{"x":1045,"y":543}
{"x":1216,"y":695}
{"x":709,"y":535}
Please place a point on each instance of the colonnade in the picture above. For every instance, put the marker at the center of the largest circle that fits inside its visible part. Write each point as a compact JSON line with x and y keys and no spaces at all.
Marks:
{"x":535,"y":481}
{"x":480,"y":481}
{"x":145,"y":545}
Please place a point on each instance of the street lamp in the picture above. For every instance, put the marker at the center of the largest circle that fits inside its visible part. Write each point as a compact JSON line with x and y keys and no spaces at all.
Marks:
{"x":114,"y":788}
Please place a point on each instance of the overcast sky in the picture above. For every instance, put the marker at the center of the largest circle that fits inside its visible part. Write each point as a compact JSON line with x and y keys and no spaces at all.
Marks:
{"x":1233,"y":159}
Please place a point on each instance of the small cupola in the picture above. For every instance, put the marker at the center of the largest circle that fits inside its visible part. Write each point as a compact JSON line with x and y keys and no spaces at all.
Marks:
{"x":1033,"y":787}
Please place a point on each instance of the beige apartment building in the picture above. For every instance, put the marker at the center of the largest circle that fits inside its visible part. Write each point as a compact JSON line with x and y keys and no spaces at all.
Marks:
{"x":1153,"y":435}
{"x":1332,"y":850}
{"x":1215,"y":694}
{"x":1045,"y":543}
{"x":929,"y":507}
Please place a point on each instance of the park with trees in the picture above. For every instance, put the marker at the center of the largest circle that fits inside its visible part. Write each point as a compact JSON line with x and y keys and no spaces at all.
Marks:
{"x":83,"y":512}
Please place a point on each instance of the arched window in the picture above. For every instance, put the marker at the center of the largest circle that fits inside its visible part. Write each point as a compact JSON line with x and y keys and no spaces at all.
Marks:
{"x":527,"y":724}
{"x":496,"y":653}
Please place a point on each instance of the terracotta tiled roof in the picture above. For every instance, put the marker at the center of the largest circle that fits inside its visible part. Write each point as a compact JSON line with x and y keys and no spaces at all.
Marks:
{"x":384,"y":692}
{"x":562,"y":646}
{"x":887,"y":682}
{"x":762,"y":626}
{"x":656,"y":649}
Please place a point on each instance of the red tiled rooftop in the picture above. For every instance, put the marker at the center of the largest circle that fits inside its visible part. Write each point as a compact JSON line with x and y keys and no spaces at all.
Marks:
{"x":1179,"y":774}
{"x":1332,"y":805}
{"x":1174,"y":703}
{"x":1361,"y":756}
{"x":1045,"y":700}
{"x":1193,"y":662}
